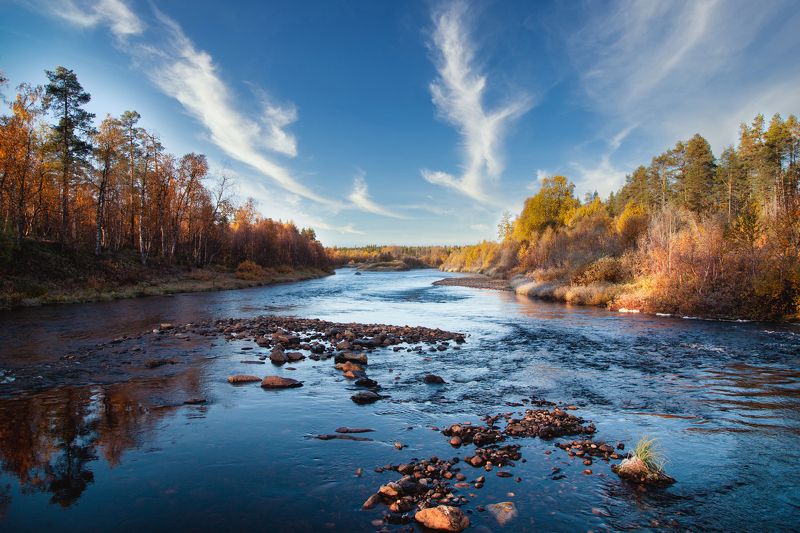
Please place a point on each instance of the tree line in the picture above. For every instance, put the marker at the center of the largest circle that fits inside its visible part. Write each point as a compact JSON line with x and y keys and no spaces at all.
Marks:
{"x":112,"y":186}
{"x":688,"y":233}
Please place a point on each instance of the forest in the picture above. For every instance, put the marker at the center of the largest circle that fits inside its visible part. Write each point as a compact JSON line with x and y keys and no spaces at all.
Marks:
{"x":409,"y":256}
{"x":690,"y":233}
{"x":77,"y":193}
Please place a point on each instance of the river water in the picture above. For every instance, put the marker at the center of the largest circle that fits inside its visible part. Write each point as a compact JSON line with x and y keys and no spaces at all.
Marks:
{"x":721,"y":398}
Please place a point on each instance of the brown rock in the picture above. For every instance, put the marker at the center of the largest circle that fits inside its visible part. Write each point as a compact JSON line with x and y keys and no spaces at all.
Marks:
{"x":443,"y":518}
{"x":294,"y":356}
{"x":277,"y":382}
{"x":278,"y":357}
{"x":349,"y":367}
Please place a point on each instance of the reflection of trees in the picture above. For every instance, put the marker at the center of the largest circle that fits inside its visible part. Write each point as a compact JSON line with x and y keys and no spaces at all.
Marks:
{"x":48,"y":441}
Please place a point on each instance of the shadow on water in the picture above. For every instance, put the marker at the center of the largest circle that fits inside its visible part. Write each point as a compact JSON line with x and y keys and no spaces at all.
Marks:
{"x":722,"y":398}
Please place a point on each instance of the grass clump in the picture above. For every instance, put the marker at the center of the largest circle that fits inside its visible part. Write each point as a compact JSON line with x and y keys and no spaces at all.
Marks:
{"x":646,"y":450}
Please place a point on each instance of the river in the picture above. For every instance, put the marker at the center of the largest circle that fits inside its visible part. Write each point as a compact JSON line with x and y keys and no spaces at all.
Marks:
{"x":721,"y":398}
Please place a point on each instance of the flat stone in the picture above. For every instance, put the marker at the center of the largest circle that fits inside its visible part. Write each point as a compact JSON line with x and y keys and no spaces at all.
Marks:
{"x":277,"y":382}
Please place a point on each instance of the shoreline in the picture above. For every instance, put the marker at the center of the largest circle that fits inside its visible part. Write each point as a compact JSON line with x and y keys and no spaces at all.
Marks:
{"x":199,"y":280}
{"x":546,"y":292}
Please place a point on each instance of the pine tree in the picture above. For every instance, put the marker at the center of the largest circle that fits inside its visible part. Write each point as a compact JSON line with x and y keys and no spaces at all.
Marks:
{"x":696,"y":182}
{"x":69,"y":137}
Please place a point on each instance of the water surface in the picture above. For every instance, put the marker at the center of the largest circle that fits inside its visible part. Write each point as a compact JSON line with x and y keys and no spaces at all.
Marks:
{"x":722,"y":398}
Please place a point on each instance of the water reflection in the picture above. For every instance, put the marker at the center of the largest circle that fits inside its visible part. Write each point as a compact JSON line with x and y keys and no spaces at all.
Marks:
{"x":49,"y":441}
{"x":722,"y":398}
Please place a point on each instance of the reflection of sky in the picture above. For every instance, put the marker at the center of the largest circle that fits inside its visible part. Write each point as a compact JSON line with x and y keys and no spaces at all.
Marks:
{"x":721,"y":398}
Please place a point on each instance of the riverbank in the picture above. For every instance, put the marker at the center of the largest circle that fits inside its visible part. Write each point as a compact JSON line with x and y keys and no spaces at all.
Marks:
{"x":630,"y":297}
{"x":43,"y":275}
{"x":194,"y":280}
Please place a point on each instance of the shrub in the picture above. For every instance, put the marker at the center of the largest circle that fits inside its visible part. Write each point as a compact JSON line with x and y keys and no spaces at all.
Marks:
{"x":604,"y":270}
{"x":249,"y":270}
{"x":631,"y":224}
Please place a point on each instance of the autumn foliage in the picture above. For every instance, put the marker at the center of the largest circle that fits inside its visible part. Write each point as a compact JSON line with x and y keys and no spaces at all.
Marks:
{"x":688,"y":234}
{"x":112,"y":187}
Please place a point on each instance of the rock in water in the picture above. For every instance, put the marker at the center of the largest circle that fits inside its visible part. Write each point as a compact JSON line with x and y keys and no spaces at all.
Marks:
{"x":365,"y":397}
{"x":243,"y":378}
{"x":277,"y":382}
{"x":366,"y":382}
{"x":293,"y":357}
{"x":433,"y":378}
{"x":634,"y":469}
{"x":443,"y":518}
{"x":358,"y":358}
{"x":503,"y":512}
{"x":277,"y":356}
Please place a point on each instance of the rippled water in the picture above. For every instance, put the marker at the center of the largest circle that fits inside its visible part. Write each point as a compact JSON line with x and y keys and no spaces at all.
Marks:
{"x":722,"y":398}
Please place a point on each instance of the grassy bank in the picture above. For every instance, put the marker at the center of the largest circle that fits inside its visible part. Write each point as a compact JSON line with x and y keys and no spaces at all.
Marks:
{"x":41,"y":274}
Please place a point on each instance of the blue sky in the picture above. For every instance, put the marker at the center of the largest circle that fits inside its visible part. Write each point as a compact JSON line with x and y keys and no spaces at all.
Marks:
{"x":416,"y":122}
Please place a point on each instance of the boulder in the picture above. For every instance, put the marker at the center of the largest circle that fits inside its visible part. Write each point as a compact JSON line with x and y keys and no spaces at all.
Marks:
{"x":433,"y":379}
{"x":277,"y":382}
{"x":366,"y":382}
{"x":359,"y":358}
{"x":294,"y":356}
{"x":365,"y":397}
{"x":277,"y":356}
{"x":443,"y":518}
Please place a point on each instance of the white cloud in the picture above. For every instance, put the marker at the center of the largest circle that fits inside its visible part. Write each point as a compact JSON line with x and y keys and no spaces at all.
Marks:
{"x":180,"y":70}
{"x":87,"y":14}
{"x":458,"y":95}
{"x":190,"y":76}
{"x":360,"y":199}
{"x":602,"y":177}
{"x":672,"y":69}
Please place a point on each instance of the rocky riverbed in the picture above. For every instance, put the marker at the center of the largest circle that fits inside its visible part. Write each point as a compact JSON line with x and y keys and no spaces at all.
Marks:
{"x":152,"y":411}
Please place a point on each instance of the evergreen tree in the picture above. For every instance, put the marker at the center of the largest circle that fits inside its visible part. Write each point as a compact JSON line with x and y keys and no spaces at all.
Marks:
{"x":697,"y":179}
{"x":69,"y":137}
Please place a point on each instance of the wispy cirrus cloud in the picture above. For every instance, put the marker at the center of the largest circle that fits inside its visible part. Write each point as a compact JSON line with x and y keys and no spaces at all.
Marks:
{"x":89,"y":13}
{"x":360,"y":198}
{"x":458,"y":94}
{"x":177,"y":67}
{"x":190,"y":75}
{"x":677,"y":68}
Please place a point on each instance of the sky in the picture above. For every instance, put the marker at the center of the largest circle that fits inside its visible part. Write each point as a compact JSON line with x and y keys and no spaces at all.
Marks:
{"x":416,"y":122}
